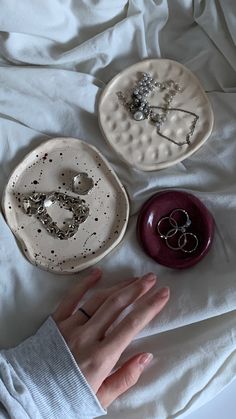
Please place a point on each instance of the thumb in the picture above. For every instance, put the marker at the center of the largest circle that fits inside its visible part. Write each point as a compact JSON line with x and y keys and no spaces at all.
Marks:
{"x":123,"y":379}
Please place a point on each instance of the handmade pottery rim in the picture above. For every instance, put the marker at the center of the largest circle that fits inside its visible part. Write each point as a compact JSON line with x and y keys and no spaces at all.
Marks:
{"x":158,"y":166}
{"x":21,"y":244}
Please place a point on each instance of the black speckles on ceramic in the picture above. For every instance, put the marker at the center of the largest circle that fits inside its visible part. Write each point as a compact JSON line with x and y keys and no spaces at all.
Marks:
{"x":52,"y":167}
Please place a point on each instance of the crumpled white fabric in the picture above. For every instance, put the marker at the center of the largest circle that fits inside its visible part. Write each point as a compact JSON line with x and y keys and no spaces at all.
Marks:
{"x":55,"y":58}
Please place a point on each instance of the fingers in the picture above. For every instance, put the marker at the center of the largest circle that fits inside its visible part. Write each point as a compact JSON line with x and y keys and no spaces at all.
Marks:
{"x":123,"y":379}
{"x":134,"y":322}
{"x":116,"y":303}
{"x":99,"y":297}
{"x":70,"y":301}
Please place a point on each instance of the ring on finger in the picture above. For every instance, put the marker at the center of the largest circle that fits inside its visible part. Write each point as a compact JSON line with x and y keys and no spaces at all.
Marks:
{"x":84,"y":312}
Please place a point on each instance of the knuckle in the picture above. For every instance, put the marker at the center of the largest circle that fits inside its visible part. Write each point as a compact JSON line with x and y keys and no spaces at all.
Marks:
{"x":96,"y":361}
{"x":119,"y":300}
{"x":97,"y":298}
{"x":116,"y":300}
{"x":133,"y":321}
{"x":141,"y":287}
{"x":94,"y":365}
{"x":97,"y":294}
{"x":156,"y":300}
{"x":101,"y":293}
{"x":130,"y":378}
{"x":80,"y":340}
{"x":84,"y":335}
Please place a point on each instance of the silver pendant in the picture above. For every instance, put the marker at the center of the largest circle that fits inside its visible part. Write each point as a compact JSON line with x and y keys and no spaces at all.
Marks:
{"x":138,"y":116}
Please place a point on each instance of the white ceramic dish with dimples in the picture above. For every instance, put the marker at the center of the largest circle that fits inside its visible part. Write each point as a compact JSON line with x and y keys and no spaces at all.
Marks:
{"x":137,"y":142}
{"x":52,"y":167}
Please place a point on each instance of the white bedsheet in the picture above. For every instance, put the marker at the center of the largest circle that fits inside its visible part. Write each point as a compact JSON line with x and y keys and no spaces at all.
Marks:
{"x":55,"y":58}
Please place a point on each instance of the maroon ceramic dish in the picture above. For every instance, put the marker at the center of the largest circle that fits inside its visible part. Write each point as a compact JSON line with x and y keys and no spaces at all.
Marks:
{"x":161,"y":205}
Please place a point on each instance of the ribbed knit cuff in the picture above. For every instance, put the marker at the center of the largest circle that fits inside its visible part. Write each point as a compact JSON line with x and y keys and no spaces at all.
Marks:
{"x":46,"y":366}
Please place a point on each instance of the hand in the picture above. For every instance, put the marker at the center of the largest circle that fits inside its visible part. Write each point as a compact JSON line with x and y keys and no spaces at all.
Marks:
{"x":96,"y":351}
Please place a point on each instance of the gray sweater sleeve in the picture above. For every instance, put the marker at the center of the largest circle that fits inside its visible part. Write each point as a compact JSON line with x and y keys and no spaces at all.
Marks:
{"x":40,"y":379}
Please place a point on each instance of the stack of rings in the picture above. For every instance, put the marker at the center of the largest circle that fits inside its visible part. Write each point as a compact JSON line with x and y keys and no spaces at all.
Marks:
{"x":184,"y":238}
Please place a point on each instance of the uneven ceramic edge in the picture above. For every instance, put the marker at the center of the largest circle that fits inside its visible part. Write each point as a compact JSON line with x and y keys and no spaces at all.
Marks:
{"x":157,"y":166}
{"x":21,"y":243}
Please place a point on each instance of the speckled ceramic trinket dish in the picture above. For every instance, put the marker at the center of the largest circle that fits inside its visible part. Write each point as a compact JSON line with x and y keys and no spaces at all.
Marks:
{"x":137,"y":142}
{"x":65,"y":206}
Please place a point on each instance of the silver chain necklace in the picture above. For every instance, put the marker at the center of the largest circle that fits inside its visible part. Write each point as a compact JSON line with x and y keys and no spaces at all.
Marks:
{"x":37,"y":204}
{"x":141,"y":109}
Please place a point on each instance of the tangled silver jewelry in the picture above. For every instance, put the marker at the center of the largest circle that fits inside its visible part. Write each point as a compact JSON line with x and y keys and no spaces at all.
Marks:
{"x":184,"y":238}
{"x":141,"y":109}
{"x":37,"y":204}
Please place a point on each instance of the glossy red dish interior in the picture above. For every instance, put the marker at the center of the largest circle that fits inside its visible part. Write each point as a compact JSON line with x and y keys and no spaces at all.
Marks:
{"x":161,"y":205}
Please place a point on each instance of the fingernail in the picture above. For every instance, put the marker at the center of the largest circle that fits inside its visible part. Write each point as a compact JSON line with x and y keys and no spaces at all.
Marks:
{"x":145,"y":359}
{"x":164,"y":292}
{"x":149,"y":277}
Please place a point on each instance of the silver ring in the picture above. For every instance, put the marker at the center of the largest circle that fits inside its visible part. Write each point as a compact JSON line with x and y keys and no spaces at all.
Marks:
{"x":180,"y":227}
{"x":82,"y":183}
{"x":185,"y":242}
{"x":179,"y":247}
{"x":164,"y":236}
